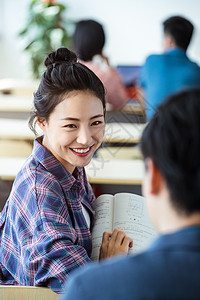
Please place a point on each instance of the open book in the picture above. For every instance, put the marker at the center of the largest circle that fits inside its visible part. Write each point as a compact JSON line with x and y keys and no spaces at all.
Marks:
{"x":127,"y":212}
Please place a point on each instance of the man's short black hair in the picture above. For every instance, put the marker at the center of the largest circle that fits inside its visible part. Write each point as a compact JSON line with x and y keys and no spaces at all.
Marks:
{"x":180,"y":29}
{"x":172,"y":141}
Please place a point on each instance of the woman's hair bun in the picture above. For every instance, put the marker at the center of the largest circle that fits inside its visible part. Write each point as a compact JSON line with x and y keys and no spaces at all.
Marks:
{"x":61,"y":55}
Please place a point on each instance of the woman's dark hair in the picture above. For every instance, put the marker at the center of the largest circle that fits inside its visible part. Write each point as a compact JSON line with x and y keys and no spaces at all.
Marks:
{"x":63,"y":75}
{"x":172,"y":141}
{"x":180,"y":29}
{"x":88,"y":39}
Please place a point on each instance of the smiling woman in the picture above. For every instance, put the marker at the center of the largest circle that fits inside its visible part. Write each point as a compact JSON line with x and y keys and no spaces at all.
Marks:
{"x":45,"y":227}
{"x":71,"y":136}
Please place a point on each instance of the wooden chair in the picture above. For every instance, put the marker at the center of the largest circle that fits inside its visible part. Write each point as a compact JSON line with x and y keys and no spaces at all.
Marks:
{"x":11,"y":292}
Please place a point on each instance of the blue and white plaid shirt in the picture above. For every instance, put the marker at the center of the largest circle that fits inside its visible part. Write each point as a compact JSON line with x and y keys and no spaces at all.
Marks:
{"x":43,"y":233}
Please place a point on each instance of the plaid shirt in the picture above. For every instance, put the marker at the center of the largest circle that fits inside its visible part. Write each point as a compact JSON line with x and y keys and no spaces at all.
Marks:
{"x":43,"y":233}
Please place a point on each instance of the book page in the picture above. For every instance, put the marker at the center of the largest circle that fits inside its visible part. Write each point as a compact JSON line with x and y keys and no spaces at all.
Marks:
{"x":103,"y":207}
{"x":130,"y":215}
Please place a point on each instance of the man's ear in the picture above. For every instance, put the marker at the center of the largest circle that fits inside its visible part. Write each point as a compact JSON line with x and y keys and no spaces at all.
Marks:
{"x":155,"y":177}
{"x":169,"y":41}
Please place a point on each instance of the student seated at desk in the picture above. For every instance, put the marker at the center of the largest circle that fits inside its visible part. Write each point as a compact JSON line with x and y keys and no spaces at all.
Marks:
{"x":88,"y":42}
{"x":45,"y":226}
{"x":170,"y":267}
{"x":172,"y":70}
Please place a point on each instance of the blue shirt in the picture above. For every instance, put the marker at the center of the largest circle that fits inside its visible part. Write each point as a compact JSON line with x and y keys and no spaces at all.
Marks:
{"x":168,"y":270}
{"x":165,"y":74}
{"x":43,"y":233}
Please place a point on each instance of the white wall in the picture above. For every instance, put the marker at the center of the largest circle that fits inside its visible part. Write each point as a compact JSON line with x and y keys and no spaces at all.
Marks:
{"x":133,"y":28}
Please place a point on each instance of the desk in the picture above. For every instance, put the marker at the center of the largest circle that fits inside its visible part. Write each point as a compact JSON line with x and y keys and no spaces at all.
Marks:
{"x":115,"y":132}
{"x":132,"y":106}
{"x":13,"y":103}
{"x":10,"y":166}
{"x":123,"y":132}
{"x":129,"y":172}
{"x":131,"y":112}
{"x":15,"y":129}
{"x":18,"y":86}
{"x":115,"y":171}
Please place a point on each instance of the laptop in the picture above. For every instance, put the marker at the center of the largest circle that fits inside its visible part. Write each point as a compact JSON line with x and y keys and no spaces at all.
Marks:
{"x":129,"y":74}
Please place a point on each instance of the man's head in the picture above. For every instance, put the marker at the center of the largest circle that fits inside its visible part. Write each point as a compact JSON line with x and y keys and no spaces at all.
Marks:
{"x":171,"y":142}
{"x":177,"y":32}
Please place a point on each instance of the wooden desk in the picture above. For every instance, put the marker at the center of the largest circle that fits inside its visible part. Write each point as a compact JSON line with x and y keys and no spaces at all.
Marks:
{"x":123,"y":132}
{"x":114,"y":133}
{"x":10,"y":166}
{"x":13,"y":103}
{"x":132,"y":107}
{"x":18,"y":86}
{"x":115,"y":171}
{"x":129,"y":172}
{"x":15,"y":129}
{"x":131,"y":112}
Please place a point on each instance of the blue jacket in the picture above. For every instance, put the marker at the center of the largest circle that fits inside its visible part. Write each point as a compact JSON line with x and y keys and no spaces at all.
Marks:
{"x":165,"y":74}
{"x":168,"y":270}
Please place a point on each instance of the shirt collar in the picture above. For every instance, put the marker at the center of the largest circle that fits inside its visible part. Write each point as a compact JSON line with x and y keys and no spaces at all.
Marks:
{"x":175,"y":51}
{"x":51,"y":164}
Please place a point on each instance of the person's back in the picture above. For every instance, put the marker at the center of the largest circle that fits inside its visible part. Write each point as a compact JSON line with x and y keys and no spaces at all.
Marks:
{"x":88,"y":43}
{"x":168,"y":270}
{"x":169,"y":267}
{"x":165,"y":74}
{"x":171,"y":71}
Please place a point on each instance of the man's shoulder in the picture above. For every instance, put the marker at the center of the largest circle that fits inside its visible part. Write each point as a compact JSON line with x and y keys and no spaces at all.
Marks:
{"x":119,"y":268}
{"x":111,"y":279}
{"x":122,"y":277}
{"x":155,"y":58}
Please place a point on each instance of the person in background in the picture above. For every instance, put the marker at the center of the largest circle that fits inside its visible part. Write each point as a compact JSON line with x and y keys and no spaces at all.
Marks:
{"x":88,"y":43}
{"x":169,"y":267}
{"x":46,"y":223}
{"x":171,"y":71}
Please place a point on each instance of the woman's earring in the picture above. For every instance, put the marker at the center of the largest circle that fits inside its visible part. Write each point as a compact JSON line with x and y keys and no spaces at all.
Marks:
{"x":41,"y":121}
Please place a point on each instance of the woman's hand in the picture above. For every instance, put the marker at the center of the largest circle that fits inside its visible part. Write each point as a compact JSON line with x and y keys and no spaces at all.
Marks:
{"x":114,"y":243}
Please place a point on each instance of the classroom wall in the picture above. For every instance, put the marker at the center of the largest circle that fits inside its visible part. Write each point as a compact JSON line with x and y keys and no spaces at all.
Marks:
{"x":133,"y":29}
